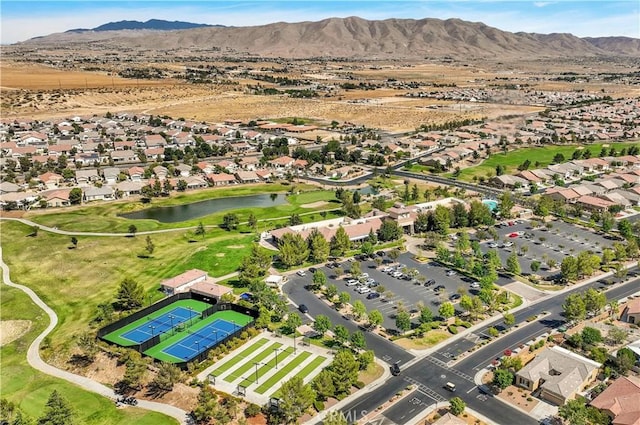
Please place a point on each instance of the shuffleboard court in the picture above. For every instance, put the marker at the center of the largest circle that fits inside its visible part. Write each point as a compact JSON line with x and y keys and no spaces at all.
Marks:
{"x":197,"y":341}
{"x":159,"y":325}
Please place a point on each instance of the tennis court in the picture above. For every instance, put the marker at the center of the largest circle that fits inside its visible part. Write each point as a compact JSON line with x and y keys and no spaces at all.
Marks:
{"x":198,"y":341}
{"x":161,"y":324}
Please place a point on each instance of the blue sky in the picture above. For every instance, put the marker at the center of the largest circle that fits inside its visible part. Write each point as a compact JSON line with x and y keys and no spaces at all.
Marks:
{"x":23,"y":19}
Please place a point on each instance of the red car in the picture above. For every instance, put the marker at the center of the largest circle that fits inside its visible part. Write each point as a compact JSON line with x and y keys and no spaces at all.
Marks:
{"x":513,"y":235}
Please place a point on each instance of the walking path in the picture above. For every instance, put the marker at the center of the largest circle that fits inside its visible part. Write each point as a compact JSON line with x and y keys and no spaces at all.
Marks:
{"x":34,"y":359}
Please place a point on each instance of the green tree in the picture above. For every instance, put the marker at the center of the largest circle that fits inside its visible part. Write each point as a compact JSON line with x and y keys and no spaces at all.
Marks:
{"x":57,"y":411}
{"x":341,"y":333}
{"x":293,"y":249}
{"x":295,"y":399}
{"x":22,"y":419}
{"x":344,"y":369}
{"x":200,"y":231}
{"x":389,"y":231}
{"x":168,"y":375}
{"x":442,"y":219}
{"x":426,"y":316}
{"x":130,"y":294}
{"x":359,"y":309}
{"x":594,"y":301}
{"x":535,"y":266}
{"x":340,"y":242}
{"x":74,"y":241}
{"x":343,"y":298}
{"x":625,"y":360}
{"x":509,"y":319}
{"x":502,"y":378}
{"x":375,"y":318}
{"x":293,"y":322}
{"x":150,"y":247}
{"x":318,"y":246}
{"x":394,"y":254}
{"x":513,"y":265}
{"x":75,"y":196}
{"x":365,"y":358}
{"x":355,"y":269}
{"x":230,"y":221}
{"x":591,"y":336}
{"x":133,"y":229}
{"x":446,"y":310}
{"x":322,"y":324}
{"x":358,"y":341}
{"x":323,"y":385}
{"x":457,"y":406}
{"x":574,"y":308}
{"x":569,"y":268}
{"x":625,"y":228}
{"x":578,"y":412}
{"x":319,"y":279}
{"x":505,"y":204}
{"x":617,"y":335}
{"x":403,"y":321}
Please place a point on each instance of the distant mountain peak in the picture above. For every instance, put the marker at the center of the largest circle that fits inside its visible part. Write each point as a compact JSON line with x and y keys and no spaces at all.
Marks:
{"x":151,"y":24}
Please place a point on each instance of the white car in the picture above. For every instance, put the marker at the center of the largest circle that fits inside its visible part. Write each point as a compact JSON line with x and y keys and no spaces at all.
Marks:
{"x":508,"y":244}
{"x":363,"y":290}
{"x":352,"y":282}
{"x":451,"y":272}
{"x":493,"y":245}
{"x":396,"y":274}
{"x":475,"y":285}
{"x":300,"y":273}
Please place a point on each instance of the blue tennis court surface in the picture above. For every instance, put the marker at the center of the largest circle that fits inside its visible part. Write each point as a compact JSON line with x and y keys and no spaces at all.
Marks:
{"x":198,"y":341}
{"x":160,"y":324}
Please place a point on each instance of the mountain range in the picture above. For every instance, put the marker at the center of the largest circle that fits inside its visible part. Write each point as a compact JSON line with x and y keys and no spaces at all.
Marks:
{"x":355,"y":37}
{"x":151,"y":24}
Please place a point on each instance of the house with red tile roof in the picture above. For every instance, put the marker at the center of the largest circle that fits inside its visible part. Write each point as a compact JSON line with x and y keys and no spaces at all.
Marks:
{"x":282,"y":162}
{"x":631,"y":312}
{"x":51,"y":180}
{"x":591,"y":203}
{"x":221,"y":179}
{"x":182,"y":282}
{"x":621,"y":401}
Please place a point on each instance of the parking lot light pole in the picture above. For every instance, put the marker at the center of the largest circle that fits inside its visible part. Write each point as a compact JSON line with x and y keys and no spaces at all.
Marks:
{"x":276,"y":351}
{"x":256,"y":365}
{"x":171,"y":318}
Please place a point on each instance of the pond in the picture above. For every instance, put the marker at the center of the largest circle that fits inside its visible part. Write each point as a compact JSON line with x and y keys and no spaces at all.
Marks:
{"x":493,"y":205}
{"x":185,"y":212}
{"x":368,"y":190}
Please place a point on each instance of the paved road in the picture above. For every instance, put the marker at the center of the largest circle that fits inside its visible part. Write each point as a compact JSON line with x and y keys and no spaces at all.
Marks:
{"x":487,"y":191}
{"x":431,"y":373}
{"x":383,"y":349}
{"x":34,"y":359}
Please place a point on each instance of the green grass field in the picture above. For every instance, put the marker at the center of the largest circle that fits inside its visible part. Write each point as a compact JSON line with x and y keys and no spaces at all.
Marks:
{"x":266,"y":367}
{"x":239,"y":372}
{"x":544,"y":155}
{"x":117,"y":338}
{"x":239,"y":357}
{"x":313,"y":365}
{"x":29,"y":389}
{"x":282,"y":372}
{"x":230,"y":316}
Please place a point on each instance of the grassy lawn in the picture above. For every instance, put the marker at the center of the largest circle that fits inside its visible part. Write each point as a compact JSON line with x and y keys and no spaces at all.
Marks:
{"x":240,"y":357}
{"x":544,"y":155}
{"x":308,"y":369}
{"x":104,"y":217}
{"x":282,"y":372}
{"x":266,"y":367}
{"x":239,"y":372}
{"x":30,"y":389}
{"x":430,"y":339}
{"x":74,"y":281}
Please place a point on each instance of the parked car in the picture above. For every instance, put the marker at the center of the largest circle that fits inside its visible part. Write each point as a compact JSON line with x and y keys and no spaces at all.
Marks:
{"x":352,"y":282}
{"x":438,"y":288}
{"x":363,"y":290}
{"x":373,"y":295}
{"x":493,"y":245}
{"x":451,"y":273}
{"x":508,"y":244}
{"x":430,"y":282}
{"x":300,"y":273}
{"x":369,"y":281}
{"x":455,"y":297}
{"x":386,"y":269}
{"x":312,"y":270}
{"x":450,"y":387}
{"x":380,"y":253}
{"x":475,"y":285}
{"x":303,"y":308}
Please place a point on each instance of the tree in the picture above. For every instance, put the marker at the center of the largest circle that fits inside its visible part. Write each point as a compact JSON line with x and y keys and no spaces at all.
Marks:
{"x":505,"y":204}
{"x":200,"y":230}
{"x":130,"y":294}
{"x":335,"y":417}
{"x":344,"y":369}
{"x":617,"y":335}
{"x":75,"y":196}
{"x":403,"y":321}
{"x":389,"y":231}
{"x":322,"y":324}
{"x":295,"y":220}
{"x":323,"y":385}
{"x":22,"y":419}
{"x":355,"y":269}
{"x":578,"y":412}
{"x":442,"y":219}
{"x":340,"y":242}
{"x":57,"y":411}
{"x":230,"y":221}
{"x":341,"y":333}
{"x":319,"y":279}
{"x":182,"y":185}
{"x":293,"y":249}
{"x":446,"y":310}
{"x":591,"y":336}
{"x":502,"y":378}
{"x":513,"y":265}
{"x":594,"y":301}
{"x":295,"y":398}
{"x":535,"y":266}
{"x":457,"y":406}
{"x":625,"y":228}
{"x":375,"y":318}
{"x":569,"y":268}
{"x":509,"y":319}
{"x":293,"y":322}
{"x":426,"y":316}
{"x":318,"y":247}
{"x":365,"y":358}
{"x":133,"y":229}
{"x":150,"y":247}
{"x":574,"y":308}
{"x":357,"y":340}
{"x":74,"y":241}
{"x":168,"y":375}
{"x":87,"y":345}
{"x":343,"y":298}
{"x":359,"y":309}
{"x":394,"y":254}
{"x":625,"y":360}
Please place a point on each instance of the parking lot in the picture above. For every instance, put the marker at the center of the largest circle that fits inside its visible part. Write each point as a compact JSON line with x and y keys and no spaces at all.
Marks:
{"x":561,"y":240}
{"x":407,"y":292}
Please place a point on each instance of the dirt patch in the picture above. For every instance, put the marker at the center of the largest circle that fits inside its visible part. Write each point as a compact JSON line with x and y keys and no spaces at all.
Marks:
{"x":519,"y":397}
{"x":220,"y":254}
{"x":235,"y":246}
{"x":10,"y":330}
{"x":316,"y":204}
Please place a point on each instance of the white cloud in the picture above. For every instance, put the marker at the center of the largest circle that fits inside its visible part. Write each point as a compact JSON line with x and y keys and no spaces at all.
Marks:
{"x":542,"y":3}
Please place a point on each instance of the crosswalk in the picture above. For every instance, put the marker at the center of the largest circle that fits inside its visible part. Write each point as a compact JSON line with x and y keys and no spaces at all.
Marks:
{"x":425,"y":390}
{"x":445,"y":366}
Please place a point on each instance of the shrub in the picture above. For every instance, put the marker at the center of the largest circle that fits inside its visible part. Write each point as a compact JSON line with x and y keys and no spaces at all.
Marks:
{"x":318,"y":405}
{"x":466,"y":325}
{"x":252,"y":410}
{"x":453,"y":329}
{"x":359,"y":385}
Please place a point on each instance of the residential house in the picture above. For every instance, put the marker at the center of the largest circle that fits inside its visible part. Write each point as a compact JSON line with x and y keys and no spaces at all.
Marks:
{"x":221,"y":179}
{"x":8,"y":187}
{"x":617,"y":198}
{"x":621,"y":401}
{"x":57,"y":198}
{"x":183,"y":169}
{"x":529,"y":177}
{"x":562,"y":195}
{"x":136,"y":174}
{"x":160,"y":172}
{"x":87,"y":158}
{"x":247,"y":177}
{"x":50,"y":180}
{"x":558,"y":373}
{"x":631,"y":312}
{"x":250,"y":163}
{"x":111,"y":175}
{"x":195,"y":182}
{"x":511,"y":182}
{"x":127,"y":188}
{"x":265,"y":175}
{"x":155,"y":141}
{"x":93,"y":193}
{"x":230,"y":166}
{"x":86,"y":177}
{"x":591,"y":203}
{"x":282,"y":162}
{"x":205,"y":167}
{"x":124,"y":156}
{"x":183,"y":282}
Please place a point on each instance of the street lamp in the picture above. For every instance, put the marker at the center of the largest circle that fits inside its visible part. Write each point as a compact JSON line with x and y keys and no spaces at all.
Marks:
{"x":171,"y":318}
{"x":276,"y":351}
{"x":215,"y":331}
{"x":198,"y":344}
{"x":190,"y":313}
{"x":295,"y":349}
{"x":256,"y":365}
{"x":152,"y":329}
